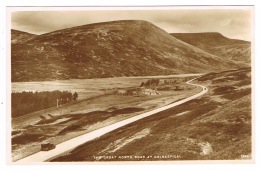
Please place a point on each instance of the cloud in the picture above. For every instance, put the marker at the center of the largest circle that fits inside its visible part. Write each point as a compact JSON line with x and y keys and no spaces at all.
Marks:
{"x":233,"y":23}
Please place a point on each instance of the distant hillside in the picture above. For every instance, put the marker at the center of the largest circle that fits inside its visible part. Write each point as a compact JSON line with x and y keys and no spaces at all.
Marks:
{"x":110,"y":49}
{"x":217,"y":44}
{"x":20,"y":36}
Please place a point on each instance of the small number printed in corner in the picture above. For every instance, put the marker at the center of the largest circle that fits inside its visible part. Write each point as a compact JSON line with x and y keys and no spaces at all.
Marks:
{"x":245,"y":156}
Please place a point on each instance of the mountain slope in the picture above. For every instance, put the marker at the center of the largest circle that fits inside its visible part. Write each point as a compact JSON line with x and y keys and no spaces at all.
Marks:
{"x":217,"y":44}
{"x":110,"y":49}
{"x":20,"y":36}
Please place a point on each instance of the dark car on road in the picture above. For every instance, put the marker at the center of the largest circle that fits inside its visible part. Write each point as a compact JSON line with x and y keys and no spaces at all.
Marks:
{"x":46,"y":146}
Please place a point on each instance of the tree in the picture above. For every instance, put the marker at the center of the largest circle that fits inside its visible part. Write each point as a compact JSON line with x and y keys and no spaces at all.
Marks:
{"x":75,"y":96}
{"x":142,"y":84}
{"x":27,"y":102}
{"x":152,"y":82}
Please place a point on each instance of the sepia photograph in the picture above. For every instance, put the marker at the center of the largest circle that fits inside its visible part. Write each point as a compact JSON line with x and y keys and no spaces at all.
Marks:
{"x":131,"y":84}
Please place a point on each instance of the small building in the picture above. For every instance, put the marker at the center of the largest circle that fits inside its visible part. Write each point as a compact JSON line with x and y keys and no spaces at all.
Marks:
{"x":150,"y":92}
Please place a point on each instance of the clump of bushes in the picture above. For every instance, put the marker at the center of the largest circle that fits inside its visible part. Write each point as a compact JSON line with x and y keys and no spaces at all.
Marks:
{"x":150,"y":82}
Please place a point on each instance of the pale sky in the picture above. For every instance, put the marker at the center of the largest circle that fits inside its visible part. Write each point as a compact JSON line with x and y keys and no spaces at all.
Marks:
{"x":232,"y":23}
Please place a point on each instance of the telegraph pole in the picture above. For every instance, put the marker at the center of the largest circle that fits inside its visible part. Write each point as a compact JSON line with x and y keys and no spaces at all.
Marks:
{"x":57,"y":103}
{"x":59,"y":109}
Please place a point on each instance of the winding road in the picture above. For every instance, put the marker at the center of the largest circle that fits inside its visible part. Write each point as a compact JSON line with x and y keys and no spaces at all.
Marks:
{"x":74,"y":142}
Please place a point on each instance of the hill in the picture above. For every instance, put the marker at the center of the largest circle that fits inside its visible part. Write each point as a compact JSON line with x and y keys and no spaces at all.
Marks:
{"x":110,"y":49}
{"x":217,"y":44}
{"x":20,"y":36}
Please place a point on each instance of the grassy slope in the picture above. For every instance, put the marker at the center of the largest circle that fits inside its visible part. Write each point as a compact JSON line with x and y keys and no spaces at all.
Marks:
{"x":133,"y":48}
{"x":221,"y":120}
{"x":217,"y":44}
{"x":20,"y":36}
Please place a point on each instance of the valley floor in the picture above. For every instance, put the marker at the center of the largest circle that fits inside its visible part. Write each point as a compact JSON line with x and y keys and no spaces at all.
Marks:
{"x":216,"y":126}
{"x":72,"y":120}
